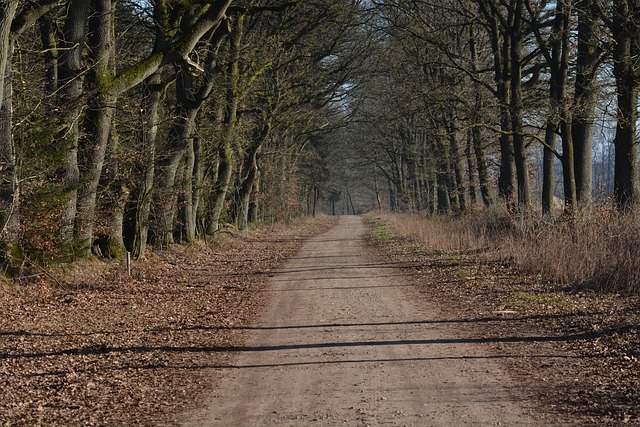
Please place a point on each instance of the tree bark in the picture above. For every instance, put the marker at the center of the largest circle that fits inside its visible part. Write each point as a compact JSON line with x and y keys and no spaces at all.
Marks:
{"x":48,"y":35}
{"x":250,"y":174}
{"x":9,"y":189}
{"x":443,"y":180}
{"x":92,"y":150}
{"x":7,"y":13}
{"x":152,"y":97}
{"x":548,"y":167}
{"x":226,"y":150}
{"x":119,"y":198}
{"x":153,"y":93}
{"x":585,"y":98}
{"x":564,"y":8}
{"x":519,"y":148}
{"x":472,"y":170}
{"x":171,"y":160}
{"x":71,"y":104}
{"x":188,"y":216}
{"x":475,"y":133}
{"x":626,"y":50}
{"x":199,"y":214}
{"x":459,"y":193}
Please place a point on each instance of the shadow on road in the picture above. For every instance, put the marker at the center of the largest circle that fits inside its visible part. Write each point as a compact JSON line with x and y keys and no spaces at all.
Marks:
{"x":103,"y":349}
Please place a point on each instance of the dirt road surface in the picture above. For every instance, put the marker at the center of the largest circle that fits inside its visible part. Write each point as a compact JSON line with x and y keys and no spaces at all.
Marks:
{"x":346,"y":341}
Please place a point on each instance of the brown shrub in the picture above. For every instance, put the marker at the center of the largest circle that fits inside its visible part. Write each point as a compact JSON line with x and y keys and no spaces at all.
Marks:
{"x":600,"y":251}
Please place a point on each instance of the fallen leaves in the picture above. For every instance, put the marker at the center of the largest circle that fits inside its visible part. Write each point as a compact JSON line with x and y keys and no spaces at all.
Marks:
{"x":110,"y":349}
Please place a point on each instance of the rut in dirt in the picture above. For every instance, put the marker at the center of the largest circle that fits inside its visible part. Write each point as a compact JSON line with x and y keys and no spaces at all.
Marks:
{"x":346,"y":340}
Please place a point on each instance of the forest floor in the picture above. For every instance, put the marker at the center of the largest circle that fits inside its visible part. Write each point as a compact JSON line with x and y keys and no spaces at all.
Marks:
{"x":112,"y":350}
{"x":109,"y":349}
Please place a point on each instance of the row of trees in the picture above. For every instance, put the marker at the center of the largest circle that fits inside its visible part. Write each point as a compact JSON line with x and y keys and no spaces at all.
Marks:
{"x":464,"y":91}
{"x":125,"y":122}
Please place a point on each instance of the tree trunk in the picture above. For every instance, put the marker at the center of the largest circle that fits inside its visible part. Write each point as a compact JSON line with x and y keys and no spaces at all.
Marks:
{"x":519,"y":148}
{"x":99,"y":120}
{"x":152,"y":97}
{"x":181,"y":151}
{"x":7,"y":13}
{"x":188,"y":216}
{"x":472,"y":170}
{"x":548,"y":167}
{"x":173,"y":157}
{"x":433,"y":192}
{"x":443,"y":180}
{"x":459,"y":193}
{"x":221,"y":186}
{"x":199,"y":214}
{"x":377,"y":191}
{"x":48,"y":35}
{"x":476,"y":137}
{"x":71,"y":103}
{"x":559,"y":116}
{"x":507,"y":178}
{"x":226,"y":151}
{"x":625,"y":175}
{"x":568,"y":164}
{"x":564,"y":25}
{"x":9,"y":189}
{"x":250,"y":175}
{"x":9,"y":185}
{"x":350,"y":199}
{"x":245,"y":197}
{"x":625,"y":53}
{"x":501,"y":32}
{"x":168,"y":167}
{"x":585,"y":99}
{"x":11,"y":25}
{"x":483,"y":171}
{"x":119,"y":198}
{"x":626,"y":163}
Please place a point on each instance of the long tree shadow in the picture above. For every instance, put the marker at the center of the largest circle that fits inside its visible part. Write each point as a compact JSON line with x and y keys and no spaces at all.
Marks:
{"x":159,"y":366}
{"x":320,"y":288}
{"x":345,"y":266}
{"x":425,"y":322}
{"x":104,"y":349}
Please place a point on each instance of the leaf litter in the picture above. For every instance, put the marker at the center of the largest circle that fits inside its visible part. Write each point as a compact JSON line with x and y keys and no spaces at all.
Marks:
{"x":109,"y":349}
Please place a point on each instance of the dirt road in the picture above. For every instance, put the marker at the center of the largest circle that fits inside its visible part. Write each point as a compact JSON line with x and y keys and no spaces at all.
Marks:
{"x":347,"y":341}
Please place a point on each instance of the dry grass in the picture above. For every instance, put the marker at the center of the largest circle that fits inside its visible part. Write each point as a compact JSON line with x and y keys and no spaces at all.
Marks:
{"x":440,"y":234}
{"x":601,"y":251}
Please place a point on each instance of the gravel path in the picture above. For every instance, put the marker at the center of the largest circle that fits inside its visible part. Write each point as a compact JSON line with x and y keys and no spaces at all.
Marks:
{"x":346,"y":341}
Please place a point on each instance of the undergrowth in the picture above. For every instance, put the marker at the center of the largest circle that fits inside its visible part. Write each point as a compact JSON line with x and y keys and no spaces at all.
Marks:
{"x":599,"y":251}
